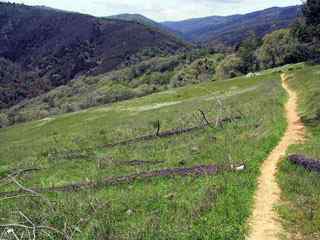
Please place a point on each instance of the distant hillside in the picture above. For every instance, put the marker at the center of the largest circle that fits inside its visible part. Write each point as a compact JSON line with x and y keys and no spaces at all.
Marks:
{"x":47,"y":48}
{"x":232,"y":29}
{"x":146,"y":21}
{"x":186,"y":27}
{"x":136,"y":18}
{"x":42,"y":7}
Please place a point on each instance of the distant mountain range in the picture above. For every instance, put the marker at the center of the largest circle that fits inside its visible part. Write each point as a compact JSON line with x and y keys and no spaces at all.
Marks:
{"x":42,"y":48}
{"x":231,"y":30}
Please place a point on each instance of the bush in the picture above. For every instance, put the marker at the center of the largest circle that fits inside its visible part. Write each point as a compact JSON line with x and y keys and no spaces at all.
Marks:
{"x":200,"y":70}
{"x":230,"y":67}
{"x":4,"y":120}
{"x":157,"y":78}
{"x":118,"y":92}
{"x":70,"y":107}
{"x":278,"y":48}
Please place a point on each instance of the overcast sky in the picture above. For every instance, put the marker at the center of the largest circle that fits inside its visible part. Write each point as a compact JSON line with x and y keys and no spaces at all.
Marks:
{"x":162,"y":10}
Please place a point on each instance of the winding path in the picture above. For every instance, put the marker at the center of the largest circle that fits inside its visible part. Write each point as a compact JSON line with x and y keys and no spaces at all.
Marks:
{"x":264,"y":222}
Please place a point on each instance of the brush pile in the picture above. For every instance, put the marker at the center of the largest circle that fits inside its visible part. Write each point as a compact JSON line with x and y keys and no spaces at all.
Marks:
{"x":307,"y":163}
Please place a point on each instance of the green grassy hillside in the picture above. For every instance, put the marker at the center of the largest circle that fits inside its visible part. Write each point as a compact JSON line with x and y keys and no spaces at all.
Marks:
{"x":75,"y":148}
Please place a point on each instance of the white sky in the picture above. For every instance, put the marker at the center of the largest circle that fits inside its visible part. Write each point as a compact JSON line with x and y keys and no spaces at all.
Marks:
{"x":162,"y":10}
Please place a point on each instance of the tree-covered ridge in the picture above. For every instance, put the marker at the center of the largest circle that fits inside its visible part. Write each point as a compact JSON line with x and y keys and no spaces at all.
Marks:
{"x":49,"y":47}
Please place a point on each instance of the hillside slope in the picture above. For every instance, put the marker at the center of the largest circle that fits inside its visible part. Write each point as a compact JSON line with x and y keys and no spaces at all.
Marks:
{"x":231,"y":30}
{"x":146,"y":77}
{"x":172,"y":183}
{"x":148,"y":22}
{"x":137,"y":18}
{"x":52,"y":47}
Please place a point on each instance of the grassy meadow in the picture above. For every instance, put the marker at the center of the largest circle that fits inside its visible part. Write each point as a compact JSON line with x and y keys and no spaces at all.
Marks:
{"x":72,"y":148}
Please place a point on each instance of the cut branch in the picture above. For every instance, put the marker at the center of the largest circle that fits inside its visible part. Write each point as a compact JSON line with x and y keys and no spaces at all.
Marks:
{"x":139,"y":162}
{"x":16,"y":173}
{"x":196,"y":171}
{"x":33,"y":192}
{"x":158,"y":128}
{"x":204,"y":117}
{"x":170,"y":133}
{"x":307,"y":163}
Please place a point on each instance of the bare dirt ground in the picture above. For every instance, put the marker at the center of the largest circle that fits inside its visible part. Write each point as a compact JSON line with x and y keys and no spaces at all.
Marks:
{"x":264,"y":222}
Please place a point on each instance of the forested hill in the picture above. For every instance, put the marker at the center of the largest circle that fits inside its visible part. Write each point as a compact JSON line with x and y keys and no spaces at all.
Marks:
{"x":137,"y":18}
{"x":233,"y":29}
{"x":148,"y":22}
{"x":43,"y":48}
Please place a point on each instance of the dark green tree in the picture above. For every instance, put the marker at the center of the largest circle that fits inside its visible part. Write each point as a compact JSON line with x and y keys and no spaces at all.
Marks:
{"x":307,"y":30}
{"x":311,"y":12}
{"x":247,"y":53}
{"x":278,"y":48}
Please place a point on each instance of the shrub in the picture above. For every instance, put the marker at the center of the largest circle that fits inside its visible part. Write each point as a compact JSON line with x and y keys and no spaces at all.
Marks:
{"x":230,"y":67}
{"x":70,"y":107}
{"x":278,"y":48}
{"x":157,"y":78}
{"x":42,"y":114}
{"x":4,"y":120}
{"x":118,"y":92}
{"x":200,"y":70}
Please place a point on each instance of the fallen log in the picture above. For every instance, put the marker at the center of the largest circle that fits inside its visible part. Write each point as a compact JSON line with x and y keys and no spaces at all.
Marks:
{"x":170,"y":133}
{"x":139,"y":162}
{"x":19,"y":172}
{"x":105,"y":163}
{"x":196,"y":171}
{"x":307,"y":163}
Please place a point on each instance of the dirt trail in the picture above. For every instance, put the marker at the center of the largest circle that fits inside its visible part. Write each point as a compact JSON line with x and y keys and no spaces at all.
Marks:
{"x":264,"y":222}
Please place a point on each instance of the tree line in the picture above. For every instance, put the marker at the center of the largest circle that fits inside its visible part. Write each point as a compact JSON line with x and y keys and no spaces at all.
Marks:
{"x":300,"y":42}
